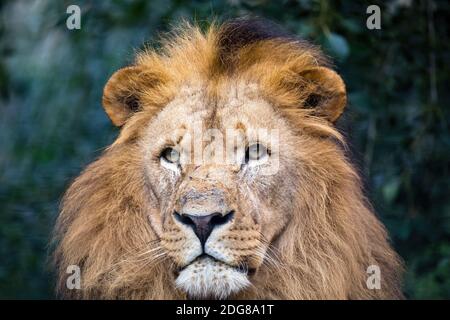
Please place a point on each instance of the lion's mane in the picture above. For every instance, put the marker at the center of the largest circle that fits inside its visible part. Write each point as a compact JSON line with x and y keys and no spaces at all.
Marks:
{"x":323,"y":253}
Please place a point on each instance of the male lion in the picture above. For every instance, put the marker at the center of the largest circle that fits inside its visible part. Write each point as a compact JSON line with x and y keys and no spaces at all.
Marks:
{"x":284,"y":219}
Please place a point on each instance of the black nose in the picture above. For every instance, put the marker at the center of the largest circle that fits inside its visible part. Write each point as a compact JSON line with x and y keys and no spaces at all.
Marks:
{"x":203,"y":225}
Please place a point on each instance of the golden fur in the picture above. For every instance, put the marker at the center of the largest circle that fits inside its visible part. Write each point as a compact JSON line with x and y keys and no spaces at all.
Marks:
{"x":310,"y":233}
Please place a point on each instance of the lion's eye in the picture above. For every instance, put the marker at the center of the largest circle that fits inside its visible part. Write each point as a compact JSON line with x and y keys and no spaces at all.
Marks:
{"x":255,"y":152}
{"x":170,"y":155}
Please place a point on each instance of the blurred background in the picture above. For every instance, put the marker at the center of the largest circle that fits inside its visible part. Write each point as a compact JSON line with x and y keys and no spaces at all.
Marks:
{"x":397,"y":121}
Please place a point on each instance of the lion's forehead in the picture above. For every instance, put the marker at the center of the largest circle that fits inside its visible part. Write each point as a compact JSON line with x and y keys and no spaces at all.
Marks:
{"x":237,"y":106}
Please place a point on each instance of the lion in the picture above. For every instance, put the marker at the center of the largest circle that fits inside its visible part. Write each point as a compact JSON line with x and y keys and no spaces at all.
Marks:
{"x":284,"y":217}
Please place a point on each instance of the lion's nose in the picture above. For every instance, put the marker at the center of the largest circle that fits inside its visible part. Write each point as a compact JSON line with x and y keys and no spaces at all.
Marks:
{"x":203,"y":225}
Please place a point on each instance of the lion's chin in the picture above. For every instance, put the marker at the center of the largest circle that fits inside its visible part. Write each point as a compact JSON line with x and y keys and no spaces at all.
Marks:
{"x":207,"y":278}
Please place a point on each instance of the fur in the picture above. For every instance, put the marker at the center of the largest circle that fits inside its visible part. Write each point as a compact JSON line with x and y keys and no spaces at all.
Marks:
{"x":307,"y":231}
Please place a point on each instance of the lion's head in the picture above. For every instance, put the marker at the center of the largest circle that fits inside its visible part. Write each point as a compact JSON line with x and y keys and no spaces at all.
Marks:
{"x":228,"y":179}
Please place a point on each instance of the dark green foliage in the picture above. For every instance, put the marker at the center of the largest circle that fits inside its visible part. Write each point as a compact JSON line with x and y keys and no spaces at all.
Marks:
{"x":397,"y":121}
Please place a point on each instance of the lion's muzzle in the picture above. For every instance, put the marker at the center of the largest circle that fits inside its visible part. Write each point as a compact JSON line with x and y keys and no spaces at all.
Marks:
{"x":203,"y":201}
{"x":203,"y":224}
{"x":208,"y":241}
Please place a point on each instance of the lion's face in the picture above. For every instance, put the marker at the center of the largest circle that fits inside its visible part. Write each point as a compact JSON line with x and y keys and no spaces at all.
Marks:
{"x":217,"y":172}
{"x":226,"y":181}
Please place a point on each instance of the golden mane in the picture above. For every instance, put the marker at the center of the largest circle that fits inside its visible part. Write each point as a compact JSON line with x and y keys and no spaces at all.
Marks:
{"x":323,"y":253}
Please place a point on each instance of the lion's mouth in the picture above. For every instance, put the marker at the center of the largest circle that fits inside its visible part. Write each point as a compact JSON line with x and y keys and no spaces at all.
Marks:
{"x":208,"y":277}
{"x":243,"y":268}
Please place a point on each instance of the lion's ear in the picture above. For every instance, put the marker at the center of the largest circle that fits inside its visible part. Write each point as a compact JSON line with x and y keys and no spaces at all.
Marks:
{"x":327,"y":93}
{"x":123,"y":91}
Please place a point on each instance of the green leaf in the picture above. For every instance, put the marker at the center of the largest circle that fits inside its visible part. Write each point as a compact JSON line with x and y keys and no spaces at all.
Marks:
{"x":390,"y":189}
{"x":338,"y":45}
